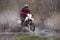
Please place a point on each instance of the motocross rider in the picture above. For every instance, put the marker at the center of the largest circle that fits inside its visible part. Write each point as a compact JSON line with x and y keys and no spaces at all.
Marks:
{"x":23,"y":12}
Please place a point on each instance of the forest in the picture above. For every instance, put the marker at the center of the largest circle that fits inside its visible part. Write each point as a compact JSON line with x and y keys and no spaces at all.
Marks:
{"x":46,"y":14}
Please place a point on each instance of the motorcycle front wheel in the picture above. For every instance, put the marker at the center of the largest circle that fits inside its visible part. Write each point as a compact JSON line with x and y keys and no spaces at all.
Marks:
{"x":32,"y":27}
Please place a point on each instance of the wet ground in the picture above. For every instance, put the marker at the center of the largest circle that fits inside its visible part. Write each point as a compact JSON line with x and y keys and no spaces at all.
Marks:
{"x":25,"y":36}
{"x":43,"y":32}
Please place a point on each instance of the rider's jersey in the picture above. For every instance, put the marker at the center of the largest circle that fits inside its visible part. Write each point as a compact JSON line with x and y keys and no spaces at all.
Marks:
{"x":23,"y":11}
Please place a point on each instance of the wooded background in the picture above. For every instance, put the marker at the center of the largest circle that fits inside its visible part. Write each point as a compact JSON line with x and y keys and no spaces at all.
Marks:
{"x":46,"y":12}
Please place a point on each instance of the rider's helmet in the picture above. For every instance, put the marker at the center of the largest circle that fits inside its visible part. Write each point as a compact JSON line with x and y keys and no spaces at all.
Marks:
{"x":26,"y":5}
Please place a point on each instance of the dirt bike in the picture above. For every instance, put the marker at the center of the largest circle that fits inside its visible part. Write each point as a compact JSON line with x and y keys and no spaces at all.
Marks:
{"x":28,"y":22}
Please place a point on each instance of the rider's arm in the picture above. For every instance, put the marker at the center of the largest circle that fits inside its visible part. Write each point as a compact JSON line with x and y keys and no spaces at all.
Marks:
{"x":29,"y":11}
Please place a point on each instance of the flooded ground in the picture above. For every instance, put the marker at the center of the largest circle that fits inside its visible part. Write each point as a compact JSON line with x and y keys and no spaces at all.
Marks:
{"x":24,"y":36}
